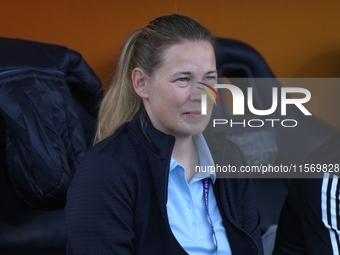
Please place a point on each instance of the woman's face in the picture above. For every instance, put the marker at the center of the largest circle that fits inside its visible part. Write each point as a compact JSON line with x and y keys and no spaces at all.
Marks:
{"x":173,"y":100}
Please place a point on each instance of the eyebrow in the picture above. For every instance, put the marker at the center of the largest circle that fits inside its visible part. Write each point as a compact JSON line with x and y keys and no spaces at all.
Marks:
{"x":210,"y":72}
{"x":190,"y":73}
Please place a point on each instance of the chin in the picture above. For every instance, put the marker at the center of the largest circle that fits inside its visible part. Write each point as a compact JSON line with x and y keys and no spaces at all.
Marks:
{"x":198,"y":128}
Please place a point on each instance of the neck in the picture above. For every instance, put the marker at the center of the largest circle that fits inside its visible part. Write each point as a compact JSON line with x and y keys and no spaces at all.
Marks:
{"x":185,"y":153}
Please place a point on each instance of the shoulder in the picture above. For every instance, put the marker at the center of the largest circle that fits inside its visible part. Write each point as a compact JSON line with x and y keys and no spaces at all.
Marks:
{"x":228,"y":158}
{"x":223,"y":149}
{"x":109,"y":161}
{"x":118,"y":148}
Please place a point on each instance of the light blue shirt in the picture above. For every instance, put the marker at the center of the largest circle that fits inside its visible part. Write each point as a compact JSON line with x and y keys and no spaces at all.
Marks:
{"x":186,"y":208}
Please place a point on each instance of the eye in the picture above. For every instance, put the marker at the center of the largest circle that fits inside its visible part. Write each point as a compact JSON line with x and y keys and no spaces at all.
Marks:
{"x":211,"y":78}
{"x":183,"y":79}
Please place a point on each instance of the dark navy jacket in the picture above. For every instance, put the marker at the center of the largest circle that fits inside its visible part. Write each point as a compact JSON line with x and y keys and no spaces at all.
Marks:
{"x":48,"y":110}
{"x":116,"y":203}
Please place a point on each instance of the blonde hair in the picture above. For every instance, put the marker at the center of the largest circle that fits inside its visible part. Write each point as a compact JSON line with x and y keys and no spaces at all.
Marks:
{"x":143,"y":48}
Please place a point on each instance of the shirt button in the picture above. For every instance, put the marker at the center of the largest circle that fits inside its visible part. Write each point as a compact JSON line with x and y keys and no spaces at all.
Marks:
{"x":189,"y":205}
{"x":194,"y":223}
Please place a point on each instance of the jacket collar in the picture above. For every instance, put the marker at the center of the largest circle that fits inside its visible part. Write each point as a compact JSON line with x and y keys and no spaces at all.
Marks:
{"x":158,"y":161}
{"x":154,"y":139}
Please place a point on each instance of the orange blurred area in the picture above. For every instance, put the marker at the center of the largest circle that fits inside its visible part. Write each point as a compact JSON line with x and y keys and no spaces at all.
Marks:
{"x":296,"y":38}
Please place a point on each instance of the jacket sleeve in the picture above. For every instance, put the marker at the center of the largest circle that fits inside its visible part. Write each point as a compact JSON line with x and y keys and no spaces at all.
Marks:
{"x":309,"y":220}
{"x":99,"y":210}
{"x":250,"y":214}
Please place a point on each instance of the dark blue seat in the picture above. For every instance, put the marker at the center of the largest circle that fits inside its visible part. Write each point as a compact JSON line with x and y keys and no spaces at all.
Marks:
{"x":49,"y":100}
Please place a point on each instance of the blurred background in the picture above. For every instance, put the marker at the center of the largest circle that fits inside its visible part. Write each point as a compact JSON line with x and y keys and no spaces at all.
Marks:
{"x":296,"y":38}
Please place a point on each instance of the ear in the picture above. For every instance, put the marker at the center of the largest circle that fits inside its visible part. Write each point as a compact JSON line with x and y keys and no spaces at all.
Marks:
{"x":139,"y":80}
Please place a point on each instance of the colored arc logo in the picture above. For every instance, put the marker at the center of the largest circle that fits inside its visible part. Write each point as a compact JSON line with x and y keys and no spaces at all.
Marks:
{"x":212,"y":89}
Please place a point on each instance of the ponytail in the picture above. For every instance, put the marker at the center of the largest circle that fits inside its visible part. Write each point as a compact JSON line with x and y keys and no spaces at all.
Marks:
{"x":120,"y":102}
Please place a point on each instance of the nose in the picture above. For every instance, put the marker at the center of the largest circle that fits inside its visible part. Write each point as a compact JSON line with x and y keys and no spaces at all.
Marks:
{"x":196,"y":91}
{"x":210,"y":91}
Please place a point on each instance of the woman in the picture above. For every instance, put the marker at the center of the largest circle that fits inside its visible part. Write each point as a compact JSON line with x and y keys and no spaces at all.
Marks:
{"x":134,"y":192}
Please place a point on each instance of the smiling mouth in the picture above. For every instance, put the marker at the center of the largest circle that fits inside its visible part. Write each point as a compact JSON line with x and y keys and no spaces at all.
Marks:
{"x":194,"y":114}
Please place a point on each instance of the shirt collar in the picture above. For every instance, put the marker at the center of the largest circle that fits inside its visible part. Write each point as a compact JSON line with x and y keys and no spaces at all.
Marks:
{"x":206,"y":160}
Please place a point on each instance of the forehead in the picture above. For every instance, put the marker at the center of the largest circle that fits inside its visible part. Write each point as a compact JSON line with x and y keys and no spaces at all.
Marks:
{"x":189,"y":57}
